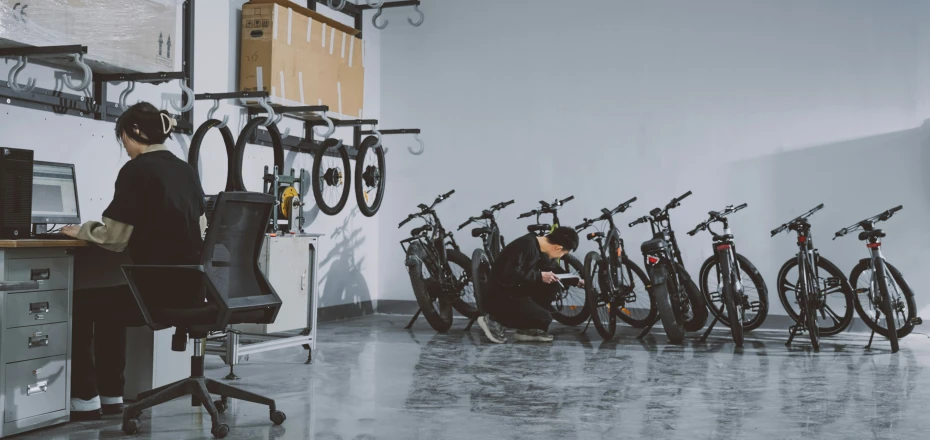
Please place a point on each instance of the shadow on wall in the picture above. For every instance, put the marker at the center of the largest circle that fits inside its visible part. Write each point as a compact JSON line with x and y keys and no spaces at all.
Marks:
{"x":343,"y":282}
{"x":854,"y":179}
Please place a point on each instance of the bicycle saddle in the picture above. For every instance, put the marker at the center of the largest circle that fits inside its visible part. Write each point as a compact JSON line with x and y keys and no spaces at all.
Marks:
{"x":420,"y":230}
{"x":865,"y":235}
{"x":477,"y":232}
{"x":656,"y":244}
{"x":594,"y":235}
{"x":538,"y":228}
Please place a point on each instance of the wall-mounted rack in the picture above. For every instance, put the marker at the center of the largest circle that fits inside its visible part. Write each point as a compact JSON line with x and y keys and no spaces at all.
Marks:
{"x":355,"y":10}
{"x":96,"y":106}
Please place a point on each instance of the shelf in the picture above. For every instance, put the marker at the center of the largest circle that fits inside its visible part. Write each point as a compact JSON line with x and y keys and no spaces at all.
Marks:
{"x":302,"y":113}
{"x":295,"y":143}
{"x":153,"y":77}
{"x":395,"y":131}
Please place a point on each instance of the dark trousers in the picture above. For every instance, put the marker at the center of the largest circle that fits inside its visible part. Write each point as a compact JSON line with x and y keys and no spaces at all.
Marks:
{"x":98,"y":340}
{"x":523,"y":311}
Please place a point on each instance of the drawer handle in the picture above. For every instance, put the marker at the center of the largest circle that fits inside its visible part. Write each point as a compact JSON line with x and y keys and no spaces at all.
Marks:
{"x":38,"y":341}
{"x":40,"y":307}
{"x":40,"y":274}
{"x":37,"y":388}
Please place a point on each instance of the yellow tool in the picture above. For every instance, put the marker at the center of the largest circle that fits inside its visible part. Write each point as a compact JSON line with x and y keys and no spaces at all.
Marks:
{"x":286,"y":197}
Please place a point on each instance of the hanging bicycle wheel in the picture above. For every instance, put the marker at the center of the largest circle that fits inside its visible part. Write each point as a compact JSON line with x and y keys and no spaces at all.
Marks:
{"x":193,"y":155}
{"x":369,"y":177}
{"x":835,"y":303}
{"x":755,"y":298}
{"x":868,"y":302}
{"x":244,"y":137}
{"x":570,"y":305}
{"x":330,"y":177}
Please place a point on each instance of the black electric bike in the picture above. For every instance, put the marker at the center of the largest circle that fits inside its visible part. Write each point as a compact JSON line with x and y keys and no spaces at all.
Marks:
{"x":885,"y":289}
{"x":490,"y":234}
{"x":735,"y":293}
{"x":614,"y":285}
{"x":820,"y":289}
{"x":680,"y":304}
{"x":569,"y":305}
{"x":439,"y":271}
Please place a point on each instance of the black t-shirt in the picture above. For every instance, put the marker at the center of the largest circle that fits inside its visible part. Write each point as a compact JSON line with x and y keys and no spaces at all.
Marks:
{"x":161,"y":197}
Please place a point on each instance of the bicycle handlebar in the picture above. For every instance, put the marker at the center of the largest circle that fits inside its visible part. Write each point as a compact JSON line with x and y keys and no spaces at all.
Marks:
{"x":501,"y":205}
{"x":425,"y":209}
{"x":806,"y":215}
{"x":467,"y":222}
{"x":642,"y":219}
{"x":874,"y":219}
{"x":528,"y":214}
{"x":716,"y":216}
{"x":676,"y":201}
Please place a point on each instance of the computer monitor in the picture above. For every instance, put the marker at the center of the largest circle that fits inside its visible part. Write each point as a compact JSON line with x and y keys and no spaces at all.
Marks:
{"x":54,"y":194}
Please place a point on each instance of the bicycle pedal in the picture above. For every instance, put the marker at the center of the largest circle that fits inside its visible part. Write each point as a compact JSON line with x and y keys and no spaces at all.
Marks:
{"x":917,"y":321}
{"x":832,"y":282}
{"x":861,"y":291}
{"x":755,"y":306}
{"x":716,"y":297}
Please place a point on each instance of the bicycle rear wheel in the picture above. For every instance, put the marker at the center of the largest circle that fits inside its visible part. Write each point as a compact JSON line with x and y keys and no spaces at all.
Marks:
{"x":902,"y":299}
{"x":464,"y":296}
{"x":427,"y":289}
{"x":696,"y":300}
{"x":599,"y":296}
{"x":572,"y":309}
{"x":636,"y":306}
{"x":480,"y":276}
{"x":755,"y":297}
{"x":674,"y":328}
{"x":834,"y":314}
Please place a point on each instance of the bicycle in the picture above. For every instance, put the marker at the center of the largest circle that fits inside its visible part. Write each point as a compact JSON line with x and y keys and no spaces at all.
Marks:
{"x":610,"y":279}
{"x":812,"y":292}
{"x":439,"y":271}
{"x":883,"y":281}
{"x":680,"y":304}
{"x":736,"y":281}
{"x":570,"y":304}
{"x":491,"y":240}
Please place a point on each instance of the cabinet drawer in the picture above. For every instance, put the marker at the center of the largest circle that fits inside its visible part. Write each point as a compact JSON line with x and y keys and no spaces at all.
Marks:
{"x":29,"y":308}
{"x":35,"y":387}
{"x":35,"y":341}
{"x":51,"y":273}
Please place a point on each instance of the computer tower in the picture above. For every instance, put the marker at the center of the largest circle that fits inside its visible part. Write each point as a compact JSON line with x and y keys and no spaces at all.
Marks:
{"x":15,"y":193}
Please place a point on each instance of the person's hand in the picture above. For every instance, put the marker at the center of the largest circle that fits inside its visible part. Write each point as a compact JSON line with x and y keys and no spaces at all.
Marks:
{"x":70,"y":230}
{"x":581,"y":283}
{"x":549,"y":277}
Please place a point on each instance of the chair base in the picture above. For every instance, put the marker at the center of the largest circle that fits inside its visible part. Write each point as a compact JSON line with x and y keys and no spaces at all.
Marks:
{"x":200,"y":389}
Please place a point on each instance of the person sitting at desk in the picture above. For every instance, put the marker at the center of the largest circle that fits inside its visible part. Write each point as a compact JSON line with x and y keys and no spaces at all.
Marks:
{"x":523,"y":285}
{"x":157,"y":212}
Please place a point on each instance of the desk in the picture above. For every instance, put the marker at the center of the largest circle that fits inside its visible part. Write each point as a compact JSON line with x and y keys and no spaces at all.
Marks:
{"x":35,"y":330}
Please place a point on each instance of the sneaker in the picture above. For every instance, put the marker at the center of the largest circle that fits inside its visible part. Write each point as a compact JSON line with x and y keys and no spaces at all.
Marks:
{"x":492,"y":329}
{"x":111,"y":405}
{"x":533,"y":335}
{"x":84,"y":410}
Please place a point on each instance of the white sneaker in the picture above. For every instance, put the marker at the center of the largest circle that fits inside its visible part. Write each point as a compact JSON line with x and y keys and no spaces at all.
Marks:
{"x":533,"y":335}
{"x":492,"y":329}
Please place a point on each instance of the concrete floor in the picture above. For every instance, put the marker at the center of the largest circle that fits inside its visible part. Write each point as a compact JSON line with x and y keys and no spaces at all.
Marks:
{"x":374,"y":380}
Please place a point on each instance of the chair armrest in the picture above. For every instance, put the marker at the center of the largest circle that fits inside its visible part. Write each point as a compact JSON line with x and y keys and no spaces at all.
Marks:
{"x":6,"y":286}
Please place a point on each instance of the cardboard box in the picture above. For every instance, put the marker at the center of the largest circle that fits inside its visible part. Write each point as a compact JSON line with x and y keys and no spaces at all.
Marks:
{"x":301,"y":57}
{"x":120,"y":35}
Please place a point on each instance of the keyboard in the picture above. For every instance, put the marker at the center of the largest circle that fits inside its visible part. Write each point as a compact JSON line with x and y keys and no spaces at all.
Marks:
{"x":52,"y":236}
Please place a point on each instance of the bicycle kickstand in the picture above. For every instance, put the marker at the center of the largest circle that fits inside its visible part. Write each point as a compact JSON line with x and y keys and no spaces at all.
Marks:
{"x":470,"y":323}
{"x":712,"y":324}
{"x":412,"y":320}
{"x":589,"y":323}
{"x":646,"y":330}
{"x":869,"y":347}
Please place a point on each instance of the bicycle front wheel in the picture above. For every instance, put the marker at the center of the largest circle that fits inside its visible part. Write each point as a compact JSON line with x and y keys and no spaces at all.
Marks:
{"x":835,"y":308}
{"x":599,"y":298}
{"x":734,"y":311}
{"x":754,"y":300}
{"x":902,"y":299}
{"x":427,"y":289}
{"x":674,"y":328}
{"x":571,"y":308}
{"x":464,"y":294}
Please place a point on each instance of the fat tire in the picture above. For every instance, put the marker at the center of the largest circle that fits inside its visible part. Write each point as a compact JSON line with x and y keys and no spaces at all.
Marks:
{"x":673,"y":329}
{"x":440,"y":319}
{"x":644,"y":279}
{"x":593,"y":270}
{"x":459,"y":259}
{"x":581,"y":316}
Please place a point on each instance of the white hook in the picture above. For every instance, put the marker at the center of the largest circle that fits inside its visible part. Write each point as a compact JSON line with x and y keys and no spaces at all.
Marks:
{"x":14,"y":72}
{"x":216,"y":106}
{"x":286,"y":133}
{"x":375,"y":3}
{"x":342,"y":4}
{"x":88,"y":75}
{"x":270,"y":118}
{"x":331,"y":128}
{"x":374,"y":20}
{"x":377,"y":133}
{"x":190,"y":98}
{"x":422,"y":17}
{"x":125,"y":94}
{"x":422,"y":146}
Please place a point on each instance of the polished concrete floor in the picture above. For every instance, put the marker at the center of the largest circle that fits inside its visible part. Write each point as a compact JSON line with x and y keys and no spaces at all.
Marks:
{"x":371,"y":379}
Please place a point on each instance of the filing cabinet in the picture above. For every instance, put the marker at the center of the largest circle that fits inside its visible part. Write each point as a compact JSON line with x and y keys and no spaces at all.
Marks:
{"x":35,"y":338}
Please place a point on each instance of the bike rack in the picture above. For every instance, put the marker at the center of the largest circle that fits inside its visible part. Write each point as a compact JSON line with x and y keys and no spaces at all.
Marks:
{"x":355,"y":11}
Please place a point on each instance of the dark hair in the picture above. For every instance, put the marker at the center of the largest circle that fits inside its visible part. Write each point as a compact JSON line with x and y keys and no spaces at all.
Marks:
{"x":565,"y":237}
{"x":148,"y":120}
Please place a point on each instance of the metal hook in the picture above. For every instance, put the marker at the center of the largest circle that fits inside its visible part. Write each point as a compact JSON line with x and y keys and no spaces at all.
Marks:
{"x":374,"y":20}
{"x":14,"y":72}
{"x":216,"y":106}
{"x":422,"y":146}
{"x":375,"y":3}
{"x":190,"y":98}
{"x":88,"y":75}
{"x":342,"y":4}
{"x":286,"y":133}
{"x":422,"y":17}
{"x":377,"y":133}
{"x":331,"y":127}
{"x":270,"y":118}
{"x":125,"y":94}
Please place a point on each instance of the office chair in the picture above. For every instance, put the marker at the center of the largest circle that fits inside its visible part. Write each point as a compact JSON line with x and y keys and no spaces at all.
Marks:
{"x":231,"y":289}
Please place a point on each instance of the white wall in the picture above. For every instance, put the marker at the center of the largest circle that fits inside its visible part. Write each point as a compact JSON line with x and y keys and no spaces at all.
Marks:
{"x":348,"y":267}
{"x":783,"y":105}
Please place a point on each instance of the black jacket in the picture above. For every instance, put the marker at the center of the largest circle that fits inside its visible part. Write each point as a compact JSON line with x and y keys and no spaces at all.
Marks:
{"x":517,"y":270}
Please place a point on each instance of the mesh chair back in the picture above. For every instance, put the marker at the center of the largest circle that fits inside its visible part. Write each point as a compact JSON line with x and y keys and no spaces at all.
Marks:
{"x":232,"y":249}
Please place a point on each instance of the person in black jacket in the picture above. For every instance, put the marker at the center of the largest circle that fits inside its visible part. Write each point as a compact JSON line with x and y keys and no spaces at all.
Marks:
{"x":157,"y":214}
{"x":523,"y":284}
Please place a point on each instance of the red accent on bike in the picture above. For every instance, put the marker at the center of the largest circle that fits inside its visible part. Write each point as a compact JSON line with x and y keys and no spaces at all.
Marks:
{"x":802,"y":239}
{"x":591,"y":235}
{"x":723,"y":247}
{"x":873,"y":245}
{"x":652,"y":260}
{"x":619,"y":252}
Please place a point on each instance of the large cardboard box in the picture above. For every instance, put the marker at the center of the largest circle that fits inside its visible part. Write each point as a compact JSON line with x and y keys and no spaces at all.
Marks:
{"x":301,"y":57}
{"x":120,"y":35}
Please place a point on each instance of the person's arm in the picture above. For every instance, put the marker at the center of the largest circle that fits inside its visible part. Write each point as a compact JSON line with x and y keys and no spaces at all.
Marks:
{"x":125,"y":211}
{"x":110,"y":234}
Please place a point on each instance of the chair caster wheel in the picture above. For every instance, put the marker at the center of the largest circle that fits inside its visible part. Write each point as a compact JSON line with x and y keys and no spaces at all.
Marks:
{"x":278,"y":417}
{"x":131,"y":426}
{"x":220,"y":406}
{"x":220,"y":431}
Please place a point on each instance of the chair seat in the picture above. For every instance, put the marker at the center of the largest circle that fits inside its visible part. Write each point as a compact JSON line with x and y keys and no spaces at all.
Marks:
{"x":202,"y":316}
